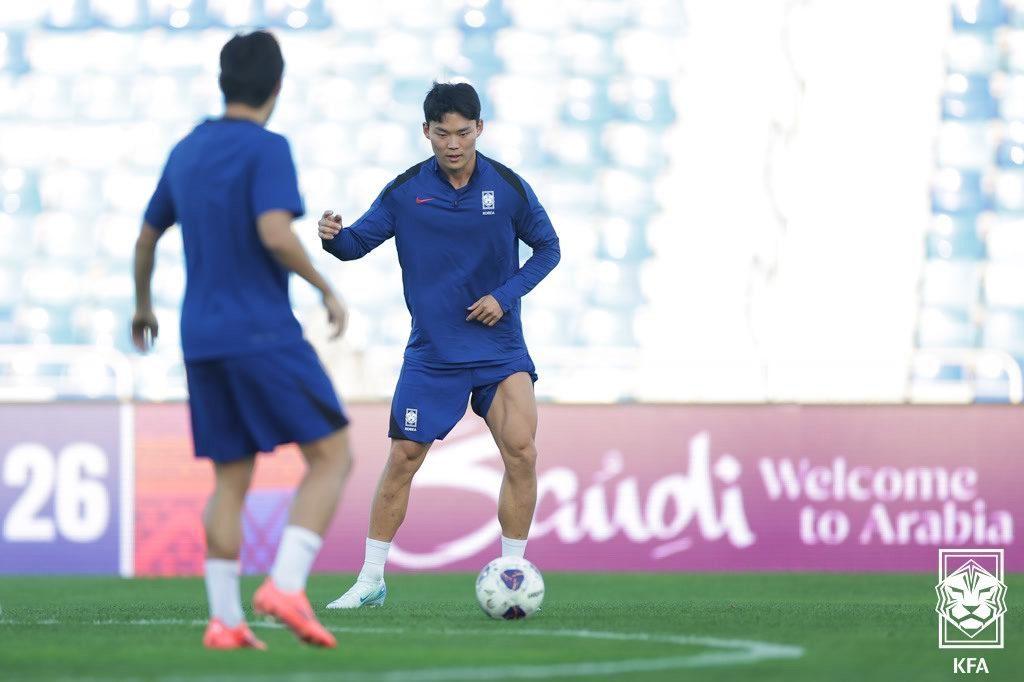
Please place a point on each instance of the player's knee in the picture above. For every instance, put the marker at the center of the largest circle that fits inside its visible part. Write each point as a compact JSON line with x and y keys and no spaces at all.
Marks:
{"x":232,"y":479}
{"x":406,"y":454}
{"x":343,"y":462}
{"x":331,"y":453}
{"x":342,"y":453}
{"x":520,"y":452}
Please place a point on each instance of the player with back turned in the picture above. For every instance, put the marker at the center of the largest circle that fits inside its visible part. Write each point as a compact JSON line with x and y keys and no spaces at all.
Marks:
{"x":253,"y":381}
{"x":457,"y":219}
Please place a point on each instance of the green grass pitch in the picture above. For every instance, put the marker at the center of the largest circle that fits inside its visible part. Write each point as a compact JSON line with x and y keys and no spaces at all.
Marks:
{"x":790,"y":627}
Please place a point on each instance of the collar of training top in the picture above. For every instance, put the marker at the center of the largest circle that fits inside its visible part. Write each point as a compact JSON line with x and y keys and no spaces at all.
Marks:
{"x":436,"y":167}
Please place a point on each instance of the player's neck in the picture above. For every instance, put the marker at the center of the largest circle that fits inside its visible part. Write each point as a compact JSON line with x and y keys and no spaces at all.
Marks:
{"x":244,"y":112}
{"x":460,"y":178}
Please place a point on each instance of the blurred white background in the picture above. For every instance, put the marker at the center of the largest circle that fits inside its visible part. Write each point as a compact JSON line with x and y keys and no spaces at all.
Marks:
{"x":741,"y":189}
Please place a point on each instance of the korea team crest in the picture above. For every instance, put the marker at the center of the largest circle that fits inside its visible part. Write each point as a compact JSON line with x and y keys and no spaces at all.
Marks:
{"x":487,"y":199}
{"x":412,"y":417}
{"x":972,"y":599}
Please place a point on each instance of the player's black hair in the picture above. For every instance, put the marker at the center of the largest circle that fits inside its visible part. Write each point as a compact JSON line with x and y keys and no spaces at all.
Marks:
{"x":250,"y":68}
{"x":447,"y":98}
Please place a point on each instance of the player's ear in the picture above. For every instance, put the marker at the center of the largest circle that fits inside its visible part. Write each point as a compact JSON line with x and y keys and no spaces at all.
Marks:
{"x":479,"y":126}
{"x":426,"y":130}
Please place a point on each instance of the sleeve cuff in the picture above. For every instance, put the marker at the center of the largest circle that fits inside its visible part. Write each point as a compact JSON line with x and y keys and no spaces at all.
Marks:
{"x":296,"y":211}
{"x":502,"y":300}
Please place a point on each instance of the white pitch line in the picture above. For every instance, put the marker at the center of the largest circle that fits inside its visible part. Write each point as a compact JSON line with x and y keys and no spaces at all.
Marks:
{"x":734,"y":652}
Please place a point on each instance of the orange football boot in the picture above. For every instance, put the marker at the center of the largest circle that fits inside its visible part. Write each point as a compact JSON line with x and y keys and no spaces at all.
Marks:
{"x":292,"y":609}
{"x":220,"y":636}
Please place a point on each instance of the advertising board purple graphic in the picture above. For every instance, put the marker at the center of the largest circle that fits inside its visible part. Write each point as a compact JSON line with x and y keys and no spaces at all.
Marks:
{"x":662,"y":488}
{"x":263,"y":520}
{"x":621,"y":487}
{"x":61,"y":477}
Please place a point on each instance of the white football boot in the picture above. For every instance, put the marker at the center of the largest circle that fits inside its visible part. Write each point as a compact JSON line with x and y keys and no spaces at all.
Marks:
{"x":362,"y":594}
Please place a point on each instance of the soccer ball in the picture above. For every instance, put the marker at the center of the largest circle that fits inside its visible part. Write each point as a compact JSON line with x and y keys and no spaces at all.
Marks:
{"x":509,"y":588}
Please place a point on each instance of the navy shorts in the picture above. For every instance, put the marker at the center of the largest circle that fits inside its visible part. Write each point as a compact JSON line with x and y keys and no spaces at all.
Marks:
{"x":429,"y":402}
{"x":252,"y":403}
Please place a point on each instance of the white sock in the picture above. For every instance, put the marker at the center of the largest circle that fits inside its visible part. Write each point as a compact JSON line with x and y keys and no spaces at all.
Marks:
{"x":299,"y":547}
{"x":222,"y":591}
{"x":373,"y":563}
{"x":511,"y":547}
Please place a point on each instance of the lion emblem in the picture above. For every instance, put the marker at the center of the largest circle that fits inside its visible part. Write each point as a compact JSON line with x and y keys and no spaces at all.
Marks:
{"x":971,"y":598}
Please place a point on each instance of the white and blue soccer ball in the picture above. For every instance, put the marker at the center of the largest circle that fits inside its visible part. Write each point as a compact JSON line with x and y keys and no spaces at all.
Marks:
{"x":510,"y":588}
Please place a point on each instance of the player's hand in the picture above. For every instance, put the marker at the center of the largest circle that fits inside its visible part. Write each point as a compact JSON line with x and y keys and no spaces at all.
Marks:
{"x":486,"y":310}
{"x":337,"y":315}
{"x":144,"y":329}
{"x":329,"y":225}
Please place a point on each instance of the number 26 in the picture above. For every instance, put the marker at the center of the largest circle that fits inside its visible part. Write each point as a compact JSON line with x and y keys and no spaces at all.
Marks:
{"x":81,"y":504}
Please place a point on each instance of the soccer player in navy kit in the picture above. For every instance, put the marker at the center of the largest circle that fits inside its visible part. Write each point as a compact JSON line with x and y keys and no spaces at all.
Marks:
{"x":457,"y":219}
{"x":254,"y":382}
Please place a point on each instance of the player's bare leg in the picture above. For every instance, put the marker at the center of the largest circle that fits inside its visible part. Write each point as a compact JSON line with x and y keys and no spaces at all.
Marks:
{"x":283,"y":594}
{"x":512,"y":419}
{"x":223,"y":522}
{"x":329,"y":462}
{"x":391,"y":500}
{"x":390,"y":503}
{"x":223,"y":515}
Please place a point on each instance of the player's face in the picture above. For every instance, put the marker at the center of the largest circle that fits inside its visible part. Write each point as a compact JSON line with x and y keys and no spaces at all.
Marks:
{"x":453,"y":140}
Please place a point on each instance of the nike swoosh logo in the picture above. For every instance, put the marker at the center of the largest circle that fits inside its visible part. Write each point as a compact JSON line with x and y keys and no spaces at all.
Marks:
{"x":423,"y":201}
{"x":374,"y":595}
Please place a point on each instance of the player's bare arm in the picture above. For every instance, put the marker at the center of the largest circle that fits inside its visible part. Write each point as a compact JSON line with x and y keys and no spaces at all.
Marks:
{"x":275,"y":230}
{"x":144,"y":324}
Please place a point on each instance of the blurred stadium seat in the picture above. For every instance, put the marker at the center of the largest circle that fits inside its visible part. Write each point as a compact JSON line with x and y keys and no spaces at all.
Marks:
{"x":972,"y":281}
{"x":93,"y":94}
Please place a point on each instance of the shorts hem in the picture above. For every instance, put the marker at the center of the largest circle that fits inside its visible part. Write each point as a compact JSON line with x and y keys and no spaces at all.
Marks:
{"x":303,"y":439}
